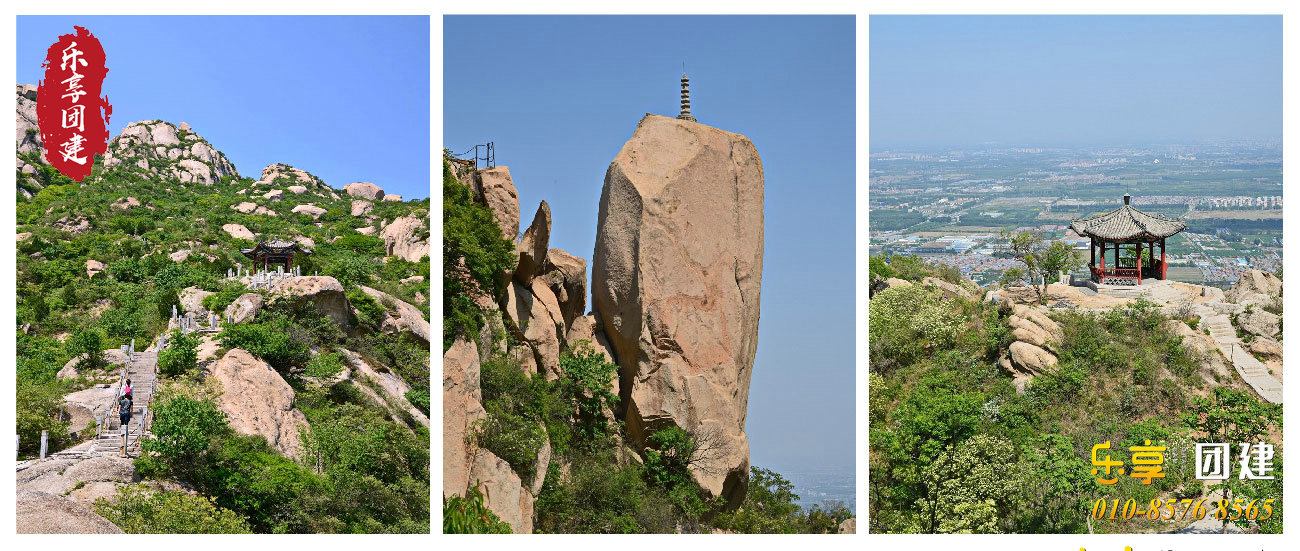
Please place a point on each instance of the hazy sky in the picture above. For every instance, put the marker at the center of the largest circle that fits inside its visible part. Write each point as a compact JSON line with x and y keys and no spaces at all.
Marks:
{"x":560,"y":95}
{"x":1073,"y":80}
{"x":345,"y":98}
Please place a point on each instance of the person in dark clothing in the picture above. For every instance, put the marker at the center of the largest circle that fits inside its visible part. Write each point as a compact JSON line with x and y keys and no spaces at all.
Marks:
{"x":124,"y":415}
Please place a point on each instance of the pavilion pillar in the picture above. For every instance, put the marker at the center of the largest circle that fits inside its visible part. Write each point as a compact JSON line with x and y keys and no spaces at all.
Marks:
{"x":1092,"y":250}
{"x":1102,"y":277}
{"x":1163,"y":267}
{"x":1137,"y":248}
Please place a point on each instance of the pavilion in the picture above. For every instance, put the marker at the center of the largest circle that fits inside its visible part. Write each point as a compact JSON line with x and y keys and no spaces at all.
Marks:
{"x":275,"y":251}
{"x":1122,"y":228}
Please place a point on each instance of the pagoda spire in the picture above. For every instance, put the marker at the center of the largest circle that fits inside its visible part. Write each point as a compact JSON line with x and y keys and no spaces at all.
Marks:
{"x":686,"y":99}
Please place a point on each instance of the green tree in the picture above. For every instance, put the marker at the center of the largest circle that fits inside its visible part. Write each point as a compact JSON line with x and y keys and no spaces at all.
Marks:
{"x":183,"y":428}
{"x":1042,"y":259}
{"x":965,"y":490}
{"x":474,"y":253}
{"x":1229,"y":415}
{"x":586,"y":382}
{"x":468,"y":515}
{"x":180,"y":356}
{"x":88,"y":341}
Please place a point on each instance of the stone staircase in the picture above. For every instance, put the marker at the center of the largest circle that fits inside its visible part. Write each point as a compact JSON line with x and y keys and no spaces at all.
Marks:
{"x":143,"y":373}
{"x":1253,"y":371}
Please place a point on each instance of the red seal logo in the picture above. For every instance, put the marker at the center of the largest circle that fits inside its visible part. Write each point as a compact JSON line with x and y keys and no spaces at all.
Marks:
{"x":71,"y":114}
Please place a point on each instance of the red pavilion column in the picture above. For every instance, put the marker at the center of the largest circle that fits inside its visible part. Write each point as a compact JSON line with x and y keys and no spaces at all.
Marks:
{"x":1137,"y":249}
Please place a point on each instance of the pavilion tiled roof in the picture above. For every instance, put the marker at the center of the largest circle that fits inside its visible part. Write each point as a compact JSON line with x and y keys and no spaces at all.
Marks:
{"x":1127,"y":223}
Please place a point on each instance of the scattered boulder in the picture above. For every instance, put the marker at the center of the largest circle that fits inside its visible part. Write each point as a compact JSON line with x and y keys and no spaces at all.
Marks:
{"x":1266,"y":347}
{"x":364,"y":190}
{"x":238,"y":231}
{"x":849,"y":526}
{"x":44,"y":513}
{"x":191,"y":300}
{"x":245,"y":207}
{"x":257,"y":400}
{"x":126,"y":203}
{"x":676,"y":277}
{"x":391,"y":198}
{"x":244,"y":308}
{"x":297,"y":190}
{"x":362,"y":208}
{"x":93,"y":267}
{"x":274,"y":195}
{"x":310,"y":210}
{"x":180,"y":256}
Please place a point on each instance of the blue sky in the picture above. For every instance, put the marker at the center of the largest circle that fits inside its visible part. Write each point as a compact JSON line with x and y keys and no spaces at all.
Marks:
{"x":1073,"y":80}
{"x":345,"y":98}
{"x":559,"y":95}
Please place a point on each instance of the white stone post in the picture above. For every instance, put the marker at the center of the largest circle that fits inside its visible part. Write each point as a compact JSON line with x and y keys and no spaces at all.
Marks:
{"x":45,"y":442}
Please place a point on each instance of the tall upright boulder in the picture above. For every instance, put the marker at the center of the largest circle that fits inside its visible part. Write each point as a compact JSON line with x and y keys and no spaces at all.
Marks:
{"x":676,"y":276}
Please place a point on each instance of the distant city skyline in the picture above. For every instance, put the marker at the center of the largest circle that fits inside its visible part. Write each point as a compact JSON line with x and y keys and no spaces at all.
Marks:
{"x":1073,"y":81}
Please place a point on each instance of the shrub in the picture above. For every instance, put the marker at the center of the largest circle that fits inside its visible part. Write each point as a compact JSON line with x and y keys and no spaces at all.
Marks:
{"x":474,"y":252}
{"x":369,"y":311}
{"x":907,"y":320}
{"x":39,"y":407}
{"x":324,"y":365}
{"x":138,"y":510}
{"x":183,"y":427}
{"x":180,"y":356}
{"x":271,"y":339}
{"x":90,"y":342}
{"x":468,"y":515}
{"x":350,"y":269}
{"x":586,"y":381}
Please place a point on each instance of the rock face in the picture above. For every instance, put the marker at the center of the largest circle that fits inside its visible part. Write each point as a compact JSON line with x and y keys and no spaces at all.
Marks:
{"x":322,"y":292}
{"x":364,"y":190}
{"x":191,"y":299}
{"x":535,"y":319}
{"x":949,"y":290}
{"x":258,"y":401}
{"x":676,"y":277}
{"x":362,"y":208}
{"x":295,"y":180}
{"x":407,"y":237}
{"x":393,"y":387}
{"x":566,"y":275}
{"x":43,"y":513}
{"x":189,"y":158}
{"x":461,"y":406}
{"x":85,"y":406}
{"x":494,"y":187}
{"x":1259,"y":322}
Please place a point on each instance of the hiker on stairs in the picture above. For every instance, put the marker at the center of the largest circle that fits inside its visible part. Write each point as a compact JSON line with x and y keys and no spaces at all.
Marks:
{"x":125,"y":416}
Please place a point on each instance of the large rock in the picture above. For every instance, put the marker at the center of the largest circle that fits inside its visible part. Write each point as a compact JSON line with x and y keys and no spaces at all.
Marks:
{"x":461,"y":406}
{"x":310,"y":210}
{"x":535,"y":319}
{"x":1257,"y":321}
{"x":1255,"y":287}
{"x":948,"y":290}
{"x":533,"y":245}
{"x":364,"y":190}
{"x":1031,"y":359}
{"x":388,"y":382}
{"x":323,"y":293}
{"x":1266,"y":347}
{"x":676,"y":276}
{"x":1025,"y":330}
{"x":566,"y":275}
{"x":191,"y":299}
{"x":407,"y":237}
{"x":503,"y":492}
{"x":238,"y":231}
{"x":494,"y":187}
{"x":86,"y":406}
{"x":93,"y":267}
{"x":113,"y":356}
{"x":244,"y":308}
{"x":401,"y":315}
{"x":44,"y":513}
{"x":257,"y":400}
{"x":362,"y":208}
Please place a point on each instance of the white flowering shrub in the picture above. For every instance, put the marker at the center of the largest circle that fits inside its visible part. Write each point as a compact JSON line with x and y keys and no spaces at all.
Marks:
{"x":908,"y":320}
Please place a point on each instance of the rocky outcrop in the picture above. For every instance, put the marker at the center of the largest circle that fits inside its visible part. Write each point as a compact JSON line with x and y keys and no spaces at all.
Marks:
{"x":1256,"y":321}
{"x":160,"y":149}
{"x":1203,"y":350}
{"x":533,"y":245}
{"x":948,"y":290}
{"x":295,"y":180}
{"x":676,"y":278}
{"x":113,"y":356}
{"x":257,"y":400}
{"x":407,"y":237}
{"x":1266,"y":347}
{"x":62,"y":476}
{"x":44,"y":513}
{"x":1032,"y":354}
{"x":393,"y":387}
{"x":534,"y":318}
{"x":566,"y":275}
{"x":244,"y":308}
{"x":28,"y":139}
{"x":364,"y":190}
{"x":849,"y":526}
{"x":401,"y":315}
{"x":1255,"y":287}
{"x":84,"y":407}
{"x":323,"y":293}
{"x":93,"y":267}
{"x":392,"y":198}
{"x":494,"y":187}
